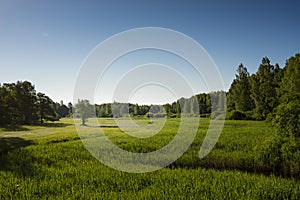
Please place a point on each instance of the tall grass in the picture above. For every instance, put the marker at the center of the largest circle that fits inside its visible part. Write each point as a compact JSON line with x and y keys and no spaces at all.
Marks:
{"x":50,"y":162}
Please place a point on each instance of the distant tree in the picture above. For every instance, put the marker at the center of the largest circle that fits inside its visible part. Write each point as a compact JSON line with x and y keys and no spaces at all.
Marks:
{"x":62,"y":110}
{"x":5,"y":117}
{"x":194,"y":105}
{"x":46,"y":108}
{"x":168,"y":108}
{"x":84,"y":109}
{"x":203,"y":101}
{"x":108,"y":110}
{"x":136,"y":110}
{"x":116,"y":108}
{"x":155,"y":109}
{"x":231,"y":96}
{"x":185,"y":105}
{"x":100,"y":110}
{"x":70,"y":109}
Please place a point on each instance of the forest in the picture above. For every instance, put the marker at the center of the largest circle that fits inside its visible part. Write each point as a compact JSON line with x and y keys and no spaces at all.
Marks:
{"x":259,"y":96}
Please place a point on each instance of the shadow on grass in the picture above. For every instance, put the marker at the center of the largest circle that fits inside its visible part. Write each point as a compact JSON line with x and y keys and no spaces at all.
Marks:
{"x":102,"y":126}
{"x":15,"y":158}
{"x":225,"y":165}
{"x":49,"y":124}
{"x":63,"y":140}
{"x":8,"y":144}
{"x":16,"y":128}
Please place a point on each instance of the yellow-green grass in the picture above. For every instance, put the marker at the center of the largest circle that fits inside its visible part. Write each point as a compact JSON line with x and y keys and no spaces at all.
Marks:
{"x":50,"y":162}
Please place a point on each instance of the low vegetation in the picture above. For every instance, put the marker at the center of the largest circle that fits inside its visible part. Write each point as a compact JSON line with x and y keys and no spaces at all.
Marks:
{"x":50,"y":162}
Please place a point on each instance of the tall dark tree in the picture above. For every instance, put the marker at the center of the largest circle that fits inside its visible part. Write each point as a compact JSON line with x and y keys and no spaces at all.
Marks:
{"x":70,"y":108}
{"x":231,"y":100}
{"x":239,"y":96}
{"x":26,"y":99}
{"x":136,"y":110}
{"x":62,"y":110}
{"x":4,"y":109}
{"x":263,"y":89}
{"x":287,"y":115}
{"x":283,"y":153}
{"x":290,"y":85}
{"x":203,"y":101}
{"x":46,"y":108}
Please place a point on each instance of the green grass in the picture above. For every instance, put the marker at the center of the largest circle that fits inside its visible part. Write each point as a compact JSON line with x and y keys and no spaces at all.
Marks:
{"x":50,"y":162}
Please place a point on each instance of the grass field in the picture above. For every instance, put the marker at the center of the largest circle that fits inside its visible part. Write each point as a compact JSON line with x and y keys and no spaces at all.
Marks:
{"x":50,"y":162}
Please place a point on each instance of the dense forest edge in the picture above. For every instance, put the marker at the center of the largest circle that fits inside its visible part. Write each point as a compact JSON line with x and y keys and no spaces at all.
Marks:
{"x":272,"y":94}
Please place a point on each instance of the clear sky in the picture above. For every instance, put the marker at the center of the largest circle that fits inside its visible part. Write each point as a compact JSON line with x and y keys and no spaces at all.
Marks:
{"x":45,"y":42}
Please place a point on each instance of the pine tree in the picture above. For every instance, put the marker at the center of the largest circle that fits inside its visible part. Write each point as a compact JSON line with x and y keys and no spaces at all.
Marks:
{"x":239,"y":96}
{"x":263,"y":89}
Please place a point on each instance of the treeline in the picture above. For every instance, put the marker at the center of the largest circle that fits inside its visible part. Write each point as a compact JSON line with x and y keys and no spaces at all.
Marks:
{"x":274,"y":95}
{"x":200,"y":104}
{"x":258,"y":95}
{"x":250,"y":97}
{"x":255,"y":96}
{"x":20,"y":104}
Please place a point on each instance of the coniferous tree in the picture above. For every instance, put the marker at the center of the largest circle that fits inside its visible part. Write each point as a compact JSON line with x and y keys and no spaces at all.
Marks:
{"x":240,"y":90}
{"x":263,"y":89}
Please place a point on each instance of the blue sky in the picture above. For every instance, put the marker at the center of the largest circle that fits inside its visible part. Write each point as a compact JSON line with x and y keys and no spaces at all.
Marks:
{"x":45,"y":42}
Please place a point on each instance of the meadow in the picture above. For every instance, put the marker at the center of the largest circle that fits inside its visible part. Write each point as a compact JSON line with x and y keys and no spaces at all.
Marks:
{"x":49,"y":161}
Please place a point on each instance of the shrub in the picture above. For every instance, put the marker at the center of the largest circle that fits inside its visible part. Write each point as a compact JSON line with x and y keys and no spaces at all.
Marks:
{"x":219,"y":115}
{"x":282,"y":152}
{"x":287,"y":119}
{"x":249,"y":115}
{"x":236,"y":115}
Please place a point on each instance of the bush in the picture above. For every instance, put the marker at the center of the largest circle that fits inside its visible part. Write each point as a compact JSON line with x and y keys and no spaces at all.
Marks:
{"x":287,"y":119}
{"x":219,"y":115}
{"x":173,"y":115}
{"x":267,"y":155}
{"x":158,"y":115}
{"x":236,"y":115}
{"x":281,"y":154}
{"x":249,"y":115}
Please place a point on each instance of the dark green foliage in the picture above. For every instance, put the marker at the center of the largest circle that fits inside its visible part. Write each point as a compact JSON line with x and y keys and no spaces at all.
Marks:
{"x":239,"y":92}
{"x":46,"y":108}
{"x":62,"y":110}
{"x":287,"y":119}
{"x":204,"y":103}
{"x":290,"y":84}
{"x":282,"y":153}
{"x":263,"y":89}
{"x":279,"y":155}
{"x":236,"y":115}
{"x":21,"y":105}
{"x":192,"y":106}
